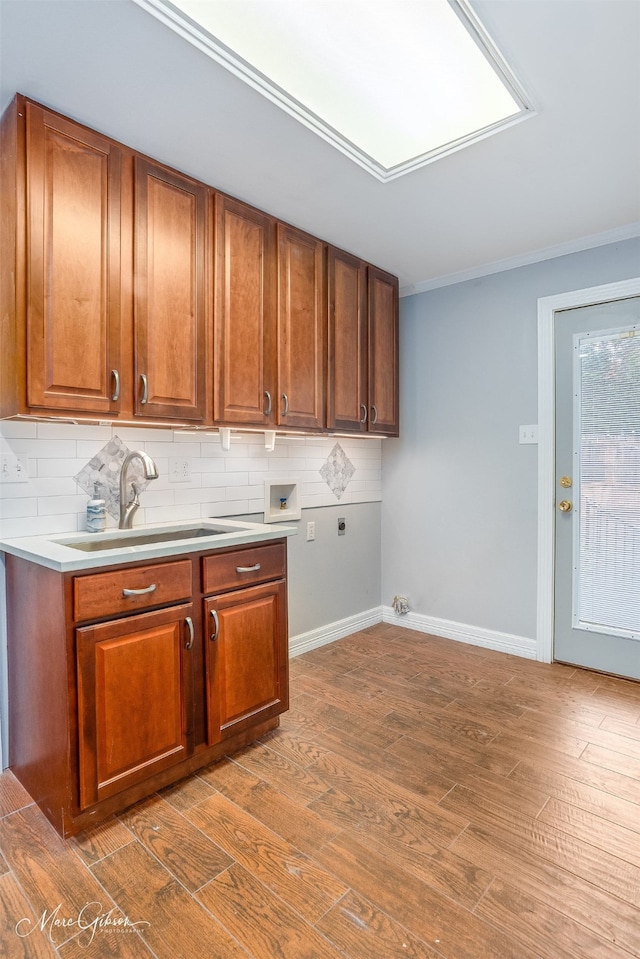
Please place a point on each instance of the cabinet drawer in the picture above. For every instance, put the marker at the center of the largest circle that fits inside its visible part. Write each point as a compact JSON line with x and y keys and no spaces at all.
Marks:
{"x":243,"y":567}
{"x":129,"y":590}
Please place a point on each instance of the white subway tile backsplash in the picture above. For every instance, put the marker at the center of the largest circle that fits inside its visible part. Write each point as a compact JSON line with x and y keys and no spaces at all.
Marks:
{"x":135,"y":436}
{"x":46,"y":449}
{"x":207,"y":464}
{"x":61,"y":467}
{"x":10,"y":508}
{"x":51,"y":505}
{"x":81,"y":431}
{"x":223,"y":483}
{"x":19,"y":429}
{"x":234,"y":464}
{"x":232,"y":508}
{"x":164,"y":514}
{"x":39,"y":525}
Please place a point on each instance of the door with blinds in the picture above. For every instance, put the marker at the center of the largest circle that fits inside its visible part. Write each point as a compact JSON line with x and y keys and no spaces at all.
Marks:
{"x":597,"y":567}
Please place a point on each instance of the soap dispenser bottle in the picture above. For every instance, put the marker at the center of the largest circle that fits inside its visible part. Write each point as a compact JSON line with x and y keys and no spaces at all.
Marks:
{"x":96,"y":512}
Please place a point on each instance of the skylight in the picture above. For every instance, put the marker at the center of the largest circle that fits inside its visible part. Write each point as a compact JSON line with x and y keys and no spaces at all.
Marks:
{"x":393,"y":84}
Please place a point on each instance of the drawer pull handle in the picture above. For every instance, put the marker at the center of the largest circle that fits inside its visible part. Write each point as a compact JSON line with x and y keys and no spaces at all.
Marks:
{"x":189,"y":642}
{"x":248,"y":569}
{"x":115,"y":396}
{"x":139,"y":592}
{"x":145,"y":389}
{"x":285,"y":400}
{"x":267,"y":396}
{"x":216,"y":625}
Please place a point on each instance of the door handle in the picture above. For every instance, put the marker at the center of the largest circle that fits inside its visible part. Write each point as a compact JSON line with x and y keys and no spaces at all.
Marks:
{"x":267,"y":396}
{"x":189,"y":642}
{"x":285,"y":401}
{"x":115,"y":396}
{"x":145,"y":389}
{"x":216,"y":625}
{"x":565,"y":506}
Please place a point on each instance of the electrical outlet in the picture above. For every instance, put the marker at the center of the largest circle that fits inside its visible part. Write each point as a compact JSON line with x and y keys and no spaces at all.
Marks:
{"x":13,"y":469}
{"x":311,"y":532}
{"x":529,"y":434}
{"x":179,"y":469}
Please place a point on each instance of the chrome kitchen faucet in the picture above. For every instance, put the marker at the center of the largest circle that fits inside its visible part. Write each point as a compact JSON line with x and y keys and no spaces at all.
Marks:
{"x":128,"y":508}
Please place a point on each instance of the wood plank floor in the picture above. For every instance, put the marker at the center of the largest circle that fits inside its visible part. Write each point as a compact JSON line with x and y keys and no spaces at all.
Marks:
{"x":421,"y":799}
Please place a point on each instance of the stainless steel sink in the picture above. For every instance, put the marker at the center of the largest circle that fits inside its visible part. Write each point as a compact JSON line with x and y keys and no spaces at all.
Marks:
{"x":118,"y":541}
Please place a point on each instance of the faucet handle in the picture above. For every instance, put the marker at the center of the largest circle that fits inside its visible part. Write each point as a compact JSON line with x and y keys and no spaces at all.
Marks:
{"x":135,"y":499}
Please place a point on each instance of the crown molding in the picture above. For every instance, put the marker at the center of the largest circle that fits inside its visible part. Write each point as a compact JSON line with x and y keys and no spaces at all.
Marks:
{"x":628,"y":232}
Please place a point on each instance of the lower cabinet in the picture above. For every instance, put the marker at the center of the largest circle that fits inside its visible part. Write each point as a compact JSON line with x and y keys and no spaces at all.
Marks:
{"x":246,"y":651}
{"x":131,"y":699}
{"x":140,"y":674}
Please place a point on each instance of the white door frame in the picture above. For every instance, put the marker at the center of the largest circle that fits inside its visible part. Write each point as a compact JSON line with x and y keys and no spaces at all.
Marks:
{"x":547,"y":307}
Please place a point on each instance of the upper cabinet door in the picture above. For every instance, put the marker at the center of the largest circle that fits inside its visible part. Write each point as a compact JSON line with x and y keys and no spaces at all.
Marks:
{"x":73,"y":266}
{"x":170,"y":294}
{"x":301,"y":330}
{"x":347,"y":397}
{"x":244,"y":319}
{"x":383,"y":353}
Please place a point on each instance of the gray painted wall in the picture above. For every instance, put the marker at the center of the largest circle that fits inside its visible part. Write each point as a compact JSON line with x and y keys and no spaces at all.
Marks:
{"x":459,"y":507}
{"x":333,"y":577}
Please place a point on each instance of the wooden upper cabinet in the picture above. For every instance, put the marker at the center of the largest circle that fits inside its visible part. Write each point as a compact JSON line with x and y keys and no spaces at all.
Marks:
{"x":244,"y":315}
{"x":383,"y":352}
{"x":73,"y":303}
{"x":301,"y":329}
{"x":347,"y":396}
{"x":170,"y":301}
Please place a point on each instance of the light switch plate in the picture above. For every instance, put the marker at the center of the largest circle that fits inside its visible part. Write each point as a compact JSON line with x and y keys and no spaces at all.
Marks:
{"x":13,"y":469}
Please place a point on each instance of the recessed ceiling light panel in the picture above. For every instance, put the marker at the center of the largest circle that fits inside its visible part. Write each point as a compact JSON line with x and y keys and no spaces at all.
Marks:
{"x":391,"y":84}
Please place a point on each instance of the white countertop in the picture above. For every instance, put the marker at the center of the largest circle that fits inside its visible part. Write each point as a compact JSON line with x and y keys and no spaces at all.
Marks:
{"x":54,"y":552}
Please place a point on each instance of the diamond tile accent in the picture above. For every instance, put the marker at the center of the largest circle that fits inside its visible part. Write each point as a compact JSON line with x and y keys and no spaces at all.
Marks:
{"x":104,"y":468}
{"x":337,"y":471}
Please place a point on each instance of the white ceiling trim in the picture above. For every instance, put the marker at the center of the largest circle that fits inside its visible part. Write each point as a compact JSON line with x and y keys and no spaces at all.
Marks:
{"x":628,"y":232}
{"x":188,"y":29}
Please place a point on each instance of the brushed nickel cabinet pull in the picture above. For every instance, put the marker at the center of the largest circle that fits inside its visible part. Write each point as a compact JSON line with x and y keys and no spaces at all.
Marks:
{"x":145,"y":389}
{"x":139,"y":592}
{"x":363,"y":418}
{"x":216,"y":625}
{"x":285,"y":400}
{"x":248,"y":569}
{"x":267,"y":395}
{"x":189,"y":642}
{"x":374,"y":414}
{"x":115,"y":396}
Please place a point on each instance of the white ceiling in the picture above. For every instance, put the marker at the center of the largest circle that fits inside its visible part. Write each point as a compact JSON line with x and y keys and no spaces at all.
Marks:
{"x":566,"y":179}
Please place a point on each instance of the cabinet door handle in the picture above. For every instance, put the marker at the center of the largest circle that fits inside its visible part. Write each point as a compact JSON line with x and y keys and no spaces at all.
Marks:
{"x":139,"y":592}
{"x":248,"y":569}
{"x":285,"y":400}
{"x":216,"y":625}
{"x":189,"y":642}
{"x":145,"y":389}
{"x":267,"y":396}
{"x":374,"y":414}
{"x":115,"y":396}
{"x":363,"y":418}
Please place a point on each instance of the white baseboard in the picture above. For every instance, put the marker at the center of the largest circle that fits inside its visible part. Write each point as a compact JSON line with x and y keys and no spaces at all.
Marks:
{"x":474,"y":635}
{"x":305,"y":642}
